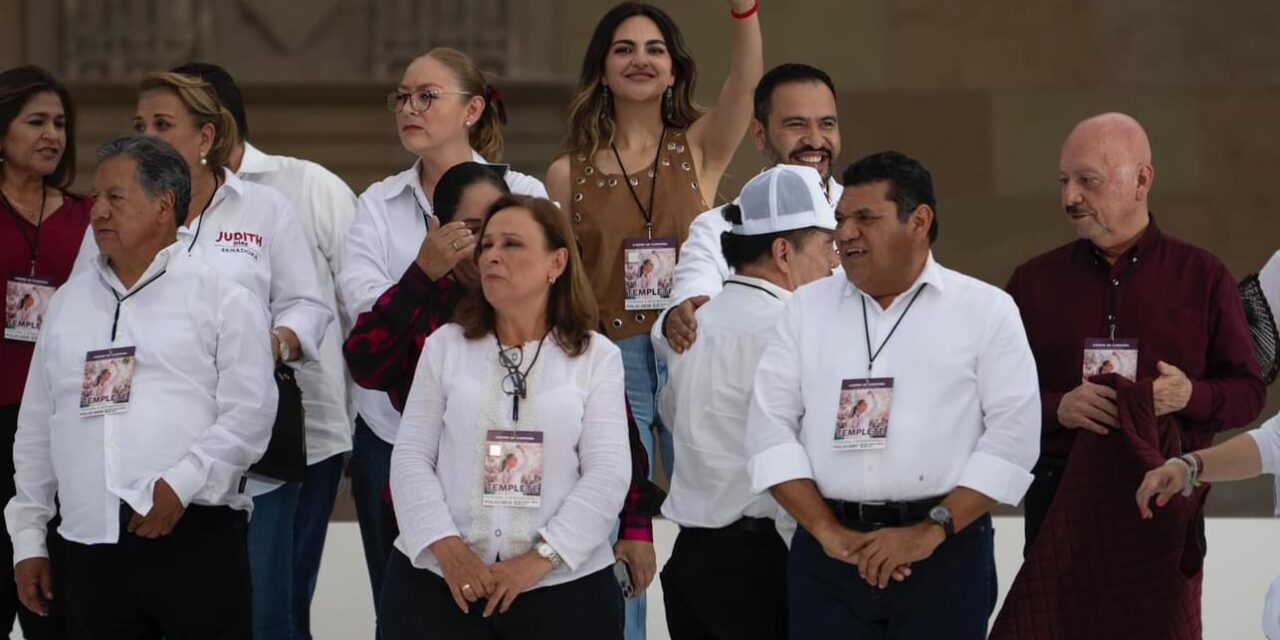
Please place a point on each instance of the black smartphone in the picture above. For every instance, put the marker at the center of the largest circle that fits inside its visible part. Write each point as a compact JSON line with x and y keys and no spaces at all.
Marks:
{"x":622,"y":573}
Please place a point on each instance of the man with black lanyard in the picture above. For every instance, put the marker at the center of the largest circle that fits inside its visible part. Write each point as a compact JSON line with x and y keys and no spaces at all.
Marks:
{"x":895,"y":539}
{"x":780,"y":239}
{"x":142,"y":418}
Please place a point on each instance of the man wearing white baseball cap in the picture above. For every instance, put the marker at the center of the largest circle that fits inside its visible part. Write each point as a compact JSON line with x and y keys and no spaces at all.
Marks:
{"x":727,"y":574}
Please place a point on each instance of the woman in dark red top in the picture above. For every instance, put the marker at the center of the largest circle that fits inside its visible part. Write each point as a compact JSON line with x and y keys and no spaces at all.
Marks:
{"x":41,"y":226}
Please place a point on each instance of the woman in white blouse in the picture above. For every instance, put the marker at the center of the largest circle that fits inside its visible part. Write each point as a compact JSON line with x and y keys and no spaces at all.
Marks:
{"x":521,"y":370}
{"x":445,"y":113}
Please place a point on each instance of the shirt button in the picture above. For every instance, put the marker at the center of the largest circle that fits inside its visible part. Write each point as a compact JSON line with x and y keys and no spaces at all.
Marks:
{"x":1116,"y":282}
{"x":497,"y":533}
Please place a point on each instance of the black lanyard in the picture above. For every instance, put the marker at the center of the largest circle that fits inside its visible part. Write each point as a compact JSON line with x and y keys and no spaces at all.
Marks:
{"x":33,"y":244}
{"x":647,"y":213}
{"x":871,"y":357}
{"x":760,"y":288}
{"x":120,"y":300}
{"x":200,"y":222}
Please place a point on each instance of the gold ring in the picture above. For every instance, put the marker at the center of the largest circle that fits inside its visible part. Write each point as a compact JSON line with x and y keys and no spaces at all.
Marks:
{"x":465,"y":587}
{"x":454,"y":244}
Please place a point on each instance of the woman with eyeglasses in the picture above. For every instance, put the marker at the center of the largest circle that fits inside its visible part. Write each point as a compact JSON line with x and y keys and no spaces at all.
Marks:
{"x":512,"y":456}
{"x":445,"y":113}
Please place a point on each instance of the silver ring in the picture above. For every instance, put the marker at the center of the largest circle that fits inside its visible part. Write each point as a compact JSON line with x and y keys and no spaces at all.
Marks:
{"x":454,"y":244}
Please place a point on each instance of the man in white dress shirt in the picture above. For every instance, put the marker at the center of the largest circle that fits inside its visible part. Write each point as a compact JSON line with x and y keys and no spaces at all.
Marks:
{"x":291,"y":520}
{"x":726,"y":578}
{"x":149,"y":480}
{"x":795,"y":122}
{"x":895,"y":538}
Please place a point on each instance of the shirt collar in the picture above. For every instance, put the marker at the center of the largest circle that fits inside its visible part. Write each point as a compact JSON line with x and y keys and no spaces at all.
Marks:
{"x":233,"y":182}
{"x":158,"y":264}
{"x":931,"y":275}
{"x":255,"y":161}
{"x":761,"y":283}
{"x":1150,"y":236}
{"x":408,"y":179}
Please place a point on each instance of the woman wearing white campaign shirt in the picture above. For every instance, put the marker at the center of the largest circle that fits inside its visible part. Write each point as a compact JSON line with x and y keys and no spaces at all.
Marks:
{"x":249,"y":234}
{"x":483,"y":553}
{"x":445,"y":114}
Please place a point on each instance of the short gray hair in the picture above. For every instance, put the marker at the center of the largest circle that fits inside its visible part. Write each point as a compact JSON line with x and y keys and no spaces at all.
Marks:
{"x":160,"y":169}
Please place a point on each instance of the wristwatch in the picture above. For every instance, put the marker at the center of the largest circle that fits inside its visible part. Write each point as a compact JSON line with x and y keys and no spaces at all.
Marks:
{"x":286,"y":354}
{"x":941,"y":516}
{"x":547,"y":553}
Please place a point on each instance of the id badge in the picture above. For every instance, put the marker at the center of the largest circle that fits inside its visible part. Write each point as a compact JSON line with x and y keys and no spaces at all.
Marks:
{"x":26,"y":299}
{"x":649,"y":268}
{"x":862,"y":419}
{"x":107,"y":383}
{"x":1103,"y":356}
{"x":513,"y":469}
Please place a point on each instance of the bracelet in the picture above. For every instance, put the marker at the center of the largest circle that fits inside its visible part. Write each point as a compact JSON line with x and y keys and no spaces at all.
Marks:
{"x":1190,"y":484}
{"x":755,"y":7}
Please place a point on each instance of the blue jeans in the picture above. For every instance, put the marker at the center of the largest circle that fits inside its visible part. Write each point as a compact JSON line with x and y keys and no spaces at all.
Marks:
{"x":950,"y":594}
{"x":640,"y":369}
{"x":641,"y":373}
{"x":286,"y":539}
{"x":370,"y":475}
{"x":271,"y":561}
{"x":310,"y":526}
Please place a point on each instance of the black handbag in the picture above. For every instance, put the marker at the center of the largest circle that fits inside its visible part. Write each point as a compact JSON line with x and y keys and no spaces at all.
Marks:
{"x":286,"y":456}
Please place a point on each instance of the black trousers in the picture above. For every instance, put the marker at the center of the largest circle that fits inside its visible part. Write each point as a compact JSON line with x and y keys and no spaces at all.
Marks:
{"x":192,"y":584}
{"x":1048,"y":474}
{"x":416,"y":605}
{"x":724,"y":584}
{"x":950,"y":594}
{"x":34,"y":627}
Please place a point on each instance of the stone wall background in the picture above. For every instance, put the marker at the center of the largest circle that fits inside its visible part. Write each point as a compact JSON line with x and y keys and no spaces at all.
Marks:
{"x":982,"y":93}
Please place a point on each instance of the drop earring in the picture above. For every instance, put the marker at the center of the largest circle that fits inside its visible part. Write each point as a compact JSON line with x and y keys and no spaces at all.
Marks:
{"x":668,"y":103}
{"x":203,"y":161}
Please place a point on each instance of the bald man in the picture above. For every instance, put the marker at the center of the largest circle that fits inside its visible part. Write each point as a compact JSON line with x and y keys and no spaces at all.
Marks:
{"x":1126,"y":287}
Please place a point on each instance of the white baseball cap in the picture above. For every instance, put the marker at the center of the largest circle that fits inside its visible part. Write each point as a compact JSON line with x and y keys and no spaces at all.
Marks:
{"x":784,"y":198}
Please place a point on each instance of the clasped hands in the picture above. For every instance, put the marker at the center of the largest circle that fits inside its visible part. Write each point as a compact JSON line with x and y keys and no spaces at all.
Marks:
{"x":470,"y":579}
{"x":884,"y":554}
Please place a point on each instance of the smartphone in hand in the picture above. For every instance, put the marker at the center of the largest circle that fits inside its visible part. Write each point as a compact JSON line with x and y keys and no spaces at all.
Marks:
{"x":622,"y":573}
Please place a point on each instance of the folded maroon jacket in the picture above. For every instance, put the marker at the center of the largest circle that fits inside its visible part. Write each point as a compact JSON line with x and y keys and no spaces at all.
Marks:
{"x":1097,"y":570}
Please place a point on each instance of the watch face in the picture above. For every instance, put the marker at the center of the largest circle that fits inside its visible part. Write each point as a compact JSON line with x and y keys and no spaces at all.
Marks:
{"x":939,"y":514}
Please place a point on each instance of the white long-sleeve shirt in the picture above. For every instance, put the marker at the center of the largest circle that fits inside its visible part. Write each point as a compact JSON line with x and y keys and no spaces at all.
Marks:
{"x":705,"y":404}
{"x":965,"y":407}
{"x":325,"y":207}
{"x":200,"y":409}
{"x":437,"y":466}
{"x":383,"y":241}
{"x":251,"y":235}
{"x":702,"y":269}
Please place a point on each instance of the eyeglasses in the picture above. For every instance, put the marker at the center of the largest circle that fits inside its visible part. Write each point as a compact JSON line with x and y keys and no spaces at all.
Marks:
{"x":513,"y":384}
{"x":418,"y":100}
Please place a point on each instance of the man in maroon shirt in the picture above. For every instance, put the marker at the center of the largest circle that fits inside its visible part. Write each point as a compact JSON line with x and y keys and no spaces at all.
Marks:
{"x":1127,"y":289}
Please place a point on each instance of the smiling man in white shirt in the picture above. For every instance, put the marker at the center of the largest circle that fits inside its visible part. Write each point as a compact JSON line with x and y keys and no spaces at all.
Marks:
{"x":781,"y":238}
{"x":795,"y":122}
{"x":149,"y":478}
{"x":895,"y":538}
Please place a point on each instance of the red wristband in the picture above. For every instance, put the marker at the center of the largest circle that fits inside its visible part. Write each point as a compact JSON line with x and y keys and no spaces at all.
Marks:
{"x":755,"y":6}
